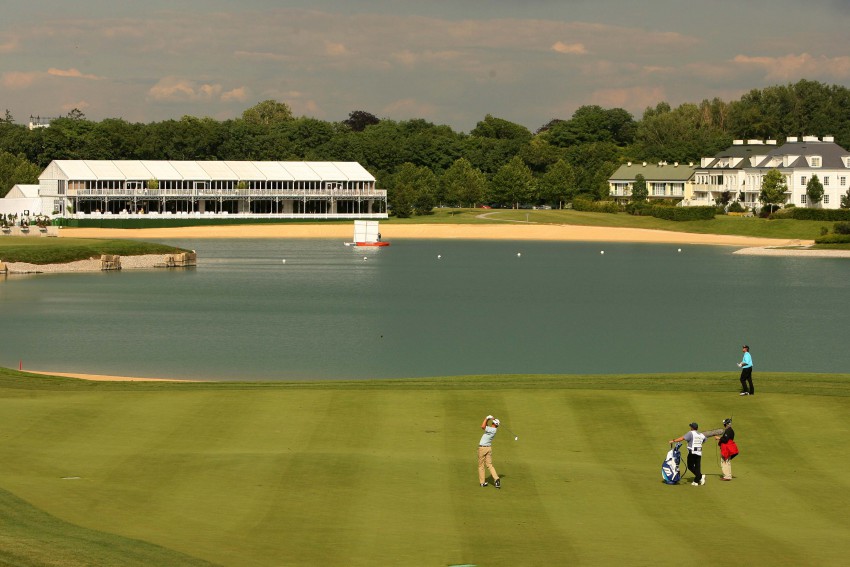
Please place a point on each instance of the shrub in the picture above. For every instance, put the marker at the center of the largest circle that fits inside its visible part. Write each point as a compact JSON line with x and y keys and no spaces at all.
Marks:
{"x":805,"y":213}
{"x":736,"y":207}
{"x":684,"y":213}
{"x":587,"y":205}
{"x":833,"y":239}
{"x":639,"y":208}
{"x":841,"y":228}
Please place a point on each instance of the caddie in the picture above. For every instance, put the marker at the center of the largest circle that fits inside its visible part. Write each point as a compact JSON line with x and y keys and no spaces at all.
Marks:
{"x":695,"y":439}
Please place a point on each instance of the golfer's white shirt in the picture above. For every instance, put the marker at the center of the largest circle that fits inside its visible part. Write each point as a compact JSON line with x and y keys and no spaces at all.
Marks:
{"x":487,"y":438}
{"x":695,"y":440}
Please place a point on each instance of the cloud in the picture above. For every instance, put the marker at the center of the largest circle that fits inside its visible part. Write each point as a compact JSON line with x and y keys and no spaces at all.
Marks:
{"x":789,"y":67}
{"x":9,"y":45}
{"x":237,"y":95}
{"x":19,"y":79}
{"x":262,"y":56}
{"x":409,"y":107}
{"x":80,"y":105}
{"x":629,"y":98}
{"x":173,"y":89}
{"x":72,"y":73}
{"x":335,"y":49}
{"x":570,"y":49}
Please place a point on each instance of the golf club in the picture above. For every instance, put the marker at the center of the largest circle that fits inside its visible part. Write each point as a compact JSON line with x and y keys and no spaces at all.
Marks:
{"x":516,"y":438}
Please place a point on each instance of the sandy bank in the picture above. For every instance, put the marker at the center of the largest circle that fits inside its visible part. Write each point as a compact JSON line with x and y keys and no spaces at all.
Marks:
{"x":105,"y":378}
{"x":143,"y":262}
{"x":391,"y":232}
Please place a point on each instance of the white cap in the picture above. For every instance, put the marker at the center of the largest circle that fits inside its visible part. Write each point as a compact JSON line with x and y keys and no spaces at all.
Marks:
{"x":496,"y":422}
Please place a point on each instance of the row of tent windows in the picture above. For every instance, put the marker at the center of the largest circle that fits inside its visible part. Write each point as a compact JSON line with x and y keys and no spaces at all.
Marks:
{"x":187,"y":184}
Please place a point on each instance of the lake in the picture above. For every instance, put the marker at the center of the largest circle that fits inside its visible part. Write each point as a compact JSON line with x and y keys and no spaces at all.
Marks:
{"x":315,"y":309}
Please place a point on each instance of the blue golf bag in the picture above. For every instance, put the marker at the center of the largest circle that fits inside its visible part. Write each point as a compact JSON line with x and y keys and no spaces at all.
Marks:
{"x":670,"y":467}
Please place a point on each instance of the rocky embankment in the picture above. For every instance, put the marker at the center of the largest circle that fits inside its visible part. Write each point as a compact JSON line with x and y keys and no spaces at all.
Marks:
{"x":104,"y":263}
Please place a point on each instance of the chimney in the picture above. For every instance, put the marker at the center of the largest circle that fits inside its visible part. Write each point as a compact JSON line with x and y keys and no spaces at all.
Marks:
{"x":828,"y":139}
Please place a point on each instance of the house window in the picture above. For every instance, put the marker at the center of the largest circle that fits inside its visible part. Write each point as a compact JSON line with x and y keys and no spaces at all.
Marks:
{"x":843,"y":181}
{"x":826,"y":180}
{"x":815,"y":161}
{"x":826,"y":199}
{"x":802,"y":199}
{"x":803,"y":180}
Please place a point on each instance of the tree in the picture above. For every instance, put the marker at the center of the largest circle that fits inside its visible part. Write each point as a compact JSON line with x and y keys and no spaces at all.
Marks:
{"x":558,"y":184}
{"x":412,"y":191}
{"x":513,"y":184}
{"x":773,"y":188}
{"x":8,"y":117}
{"x":359,"y":119}
{"x":14,"y":170}
{"x":845,"y":200}
{"x":639,"y":190}
{"x":814,"y":191}
{"x":76,"y":114}
{"x":267,"y":113}
{"x":462,"y":184}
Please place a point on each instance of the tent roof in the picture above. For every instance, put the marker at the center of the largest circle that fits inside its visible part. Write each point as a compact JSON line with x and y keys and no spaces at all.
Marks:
{"x":96,"y":170}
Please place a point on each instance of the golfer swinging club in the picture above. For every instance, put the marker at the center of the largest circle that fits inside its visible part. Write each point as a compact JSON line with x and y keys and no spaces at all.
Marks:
{"x":695,"y":440}
{"x":485,"y":451}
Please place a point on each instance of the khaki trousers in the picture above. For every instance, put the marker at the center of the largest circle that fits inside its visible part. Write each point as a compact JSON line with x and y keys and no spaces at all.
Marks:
{"x":485,"y":459}
{"x":726,"y":467}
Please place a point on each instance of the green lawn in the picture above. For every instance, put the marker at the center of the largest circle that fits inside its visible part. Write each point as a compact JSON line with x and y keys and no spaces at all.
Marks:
{"x":61,"y":250}
{"x":383,"y":472}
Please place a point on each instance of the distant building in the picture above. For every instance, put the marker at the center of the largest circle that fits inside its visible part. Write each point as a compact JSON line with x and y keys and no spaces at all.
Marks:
{"x":664,"y":181}
{"x":22,"y":200}
{"x":740,"y":170}
{"x":249,"y":189}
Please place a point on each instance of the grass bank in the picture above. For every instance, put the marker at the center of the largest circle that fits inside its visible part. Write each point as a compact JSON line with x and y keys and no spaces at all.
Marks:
{"x":63,"y":250}
{"x":383,"y":472}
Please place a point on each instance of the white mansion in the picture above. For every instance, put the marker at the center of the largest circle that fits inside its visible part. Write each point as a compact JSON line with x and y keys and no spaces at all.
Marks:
{"x":740,"y":170}
{"x":174,"y":189}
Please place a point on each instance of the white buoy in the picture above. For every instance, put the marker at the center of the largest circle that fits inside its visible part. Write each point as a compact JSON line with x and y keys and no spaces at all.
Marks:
{"x":680,"y":250}
{"x":283,"y":261}
{"x":518,"y":254}
{"x":365,"y":258}
{"x":439,"y":256}
{"x":602,"y":251}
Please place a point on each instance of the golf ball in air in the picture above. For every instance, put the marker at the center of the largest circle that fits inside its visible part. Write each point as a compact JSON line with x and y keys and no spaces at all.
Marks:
{"x":516,"y":438}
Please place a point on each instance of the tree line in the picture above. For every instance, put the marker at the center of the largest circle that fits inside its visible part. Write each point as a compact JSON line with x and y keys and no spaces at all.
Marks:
{"x":423,"y":165}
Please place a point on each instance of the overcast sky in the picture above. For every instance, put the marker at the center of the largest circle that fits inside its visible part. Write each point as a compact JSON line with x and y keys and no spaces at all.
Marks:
{"x":448,"y":61}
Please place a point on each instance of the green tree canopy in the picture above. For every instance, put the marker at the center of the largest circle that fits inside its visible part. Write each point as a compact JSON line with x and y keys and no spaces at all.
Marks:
{"x":16,"y":170}
{"x":773,"y":188}
{"x":462,"y":184}
{"x":412,"y":191}
{"x":558,"y":184}
{"x":639,"y":189}
{"x":268,"y":112}
{"x":513,"y":184}
{"x":814,"y":191}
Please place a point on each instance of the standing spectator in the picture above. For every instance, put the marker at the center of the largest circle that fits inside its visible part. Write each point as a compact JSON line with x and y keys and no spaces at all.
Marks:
{"x":695,"y":440}
{"x":490,"y":425}
{"x":728,"y":449}
{"x":746,"y":366}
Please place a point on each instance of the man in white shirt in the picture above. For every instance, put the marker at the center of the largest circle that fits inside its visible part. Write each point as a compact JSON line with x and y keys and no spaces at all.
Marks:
{"x":695,"y":440}
{"x":490,"y":425}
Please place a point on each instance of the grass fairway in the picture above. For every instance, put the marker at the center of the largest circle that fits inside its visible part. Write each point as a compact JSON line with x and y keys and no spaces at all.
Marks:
{"x":384,"y":472}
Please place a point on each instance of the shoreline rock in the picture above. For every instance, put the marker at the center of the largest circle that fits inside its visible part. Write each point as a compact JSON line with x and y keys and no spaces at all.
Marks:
{"x":142,"y":262}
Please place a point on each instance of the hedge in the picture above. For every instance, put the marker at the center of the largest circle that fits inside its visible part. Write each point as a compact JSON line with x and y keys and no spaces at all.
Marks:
{"x":805,"y":213}
{"x":684,"y":213}
{"x":587,"y":205}
{"x":833,"y":239}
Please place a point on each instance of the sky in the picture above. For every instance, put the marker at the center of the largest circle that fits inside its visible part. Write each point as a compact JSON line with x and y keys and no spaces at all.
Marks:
{"x":448,"y":61}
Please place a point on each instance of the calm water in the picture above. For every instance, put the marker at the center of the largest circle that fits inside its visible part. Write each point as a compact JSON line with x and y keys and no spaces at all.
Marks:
{"x":328,"y":313}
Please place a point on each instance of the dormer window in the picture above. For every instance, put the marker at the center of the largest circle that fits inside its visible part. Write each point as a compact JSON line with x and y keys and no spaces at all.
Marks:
{"x":815,"y":161}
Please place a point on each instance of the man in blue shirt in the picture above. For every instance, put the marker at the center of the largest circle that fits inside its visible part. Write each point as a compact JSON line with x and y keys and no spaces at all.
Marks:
{"x":746,"y":365}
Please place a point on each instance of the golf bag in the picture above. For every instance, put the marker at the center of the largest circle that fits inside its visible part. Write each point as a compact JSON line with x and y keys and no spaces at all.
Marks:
{"x":670,"y":467}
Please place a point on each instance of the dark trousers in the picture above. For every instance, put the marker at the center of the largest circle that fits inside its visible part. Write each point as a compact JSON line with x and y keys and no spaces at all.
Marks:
{"x":694,"y":465}
{"x":747,"y":380}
